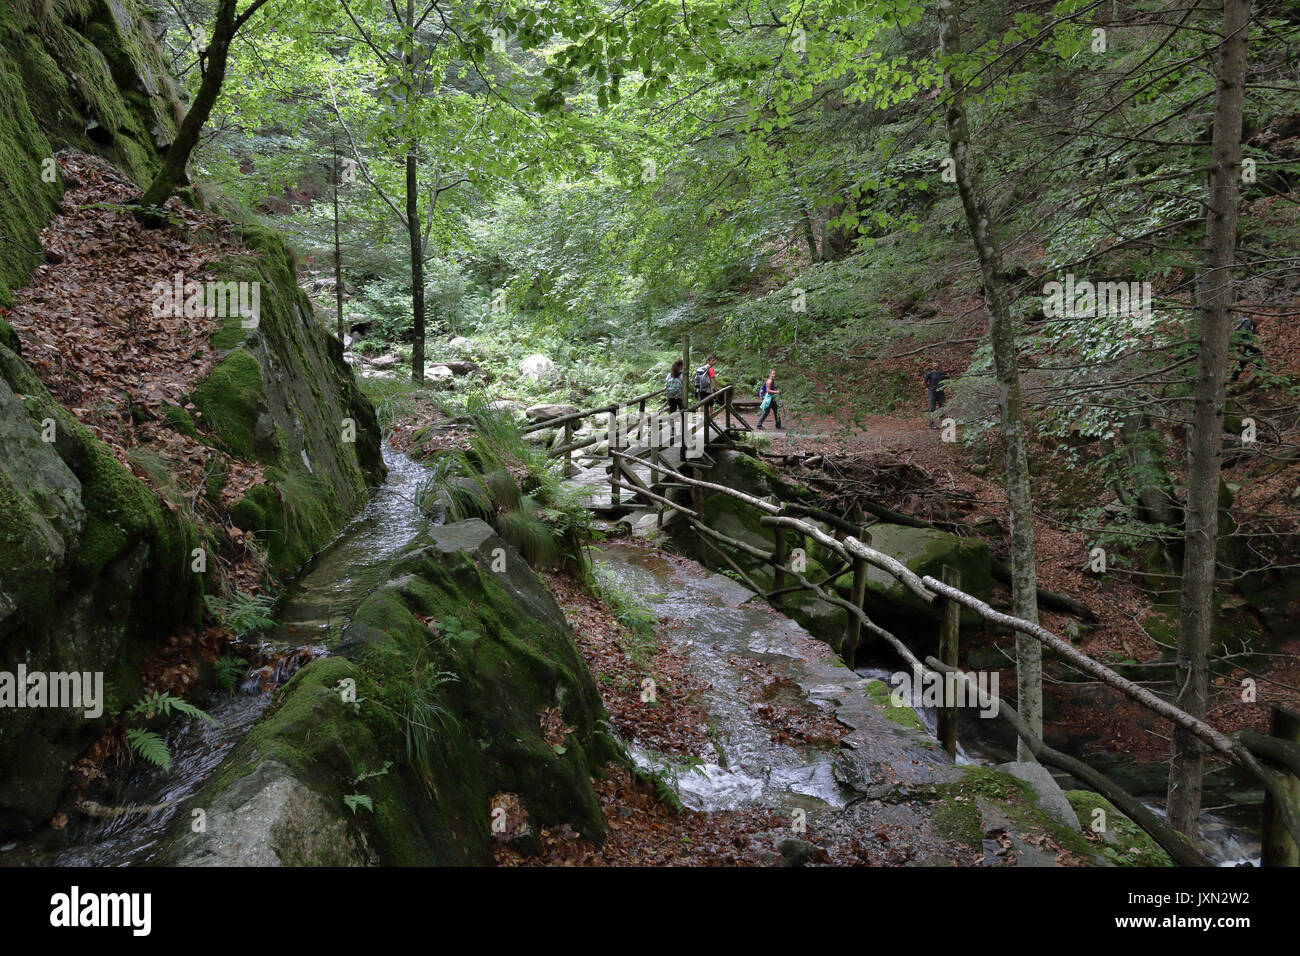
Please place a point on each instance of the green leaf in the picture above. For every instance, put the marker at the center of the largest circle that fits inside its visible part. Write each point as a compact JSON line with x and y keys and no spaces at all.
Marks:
{"x":354,"y":800}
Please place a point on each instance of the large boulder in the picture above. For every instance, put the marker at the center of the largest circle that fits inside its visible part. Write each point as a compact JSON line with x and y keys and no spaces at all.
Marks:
{"x":543,"y":413}
{"x":460,"y":662}
{"x":539,"y":368}
{"x":439,"y":376}
{"x":925,"y":551}
{"x":462,"y":368}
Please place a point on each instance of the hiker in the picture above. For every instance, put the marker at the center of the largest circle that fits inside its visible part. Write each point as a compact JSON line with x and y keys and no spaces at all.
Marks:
{"x":934,"y":380}
{"x":673,"y":387}
{"x":768,"y":393}
{"x":703,"y":380}
{"x":1245,"y":339}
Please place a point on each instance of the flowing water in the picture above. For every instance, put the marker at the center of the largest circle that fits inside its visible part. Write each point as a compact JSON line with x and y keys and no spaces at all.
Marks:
{"x":705,"y":616}
{"x":313,"y":609}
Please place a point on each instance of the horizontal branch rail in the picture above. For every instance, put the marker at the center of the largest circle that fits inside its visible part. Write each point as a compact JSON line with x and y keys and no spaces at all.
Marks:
{"x":931,"y":589}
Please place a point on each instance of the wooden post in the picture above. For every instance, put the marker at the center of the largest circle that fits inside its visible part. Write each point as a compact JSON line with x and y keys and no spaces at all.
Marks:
{"x":948,"y":655}
{"x":855,"y":622}
{"x":780,"y":558}
{"x":640,"y":422}
{"x":727,"y":410}
{"x":1278,"y":847}
{"x":614,"y":459}
{"x":697,"y":504}
{"x":568,"y":455}
{"x":686,"y":365}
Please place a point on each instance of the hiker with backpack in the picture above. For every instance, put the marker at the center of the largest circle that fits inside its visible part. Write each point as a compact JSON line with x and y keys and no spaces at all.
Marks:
{"x":1247,"y":344}
{"x":768,"y":393}
{"x":703,"y":381}
{"x":934,"y":380}
{"x":673,"y":387}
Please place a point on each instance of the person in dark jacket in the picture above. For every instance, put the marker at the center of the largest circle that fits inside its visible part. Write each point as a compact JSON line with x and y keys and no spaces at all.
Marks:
{"x":934,"y":380}
{"x":1246,"y":341}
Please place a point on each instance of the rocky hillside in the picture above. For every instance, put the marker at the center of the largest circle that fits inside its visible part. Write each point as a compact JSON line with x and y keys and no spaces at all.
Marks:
{"x":152,"y":456}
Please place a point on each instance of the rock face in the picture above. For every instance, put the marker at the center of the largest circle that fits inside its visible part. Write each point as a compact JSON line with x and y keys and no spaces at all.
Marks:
{"x":455,"y":661}
{"x":924,"y":551}
{"x":283,"y":395}
{"x":95,"y":570}
{"x":539,"y":368}
{"x":93,"y":567}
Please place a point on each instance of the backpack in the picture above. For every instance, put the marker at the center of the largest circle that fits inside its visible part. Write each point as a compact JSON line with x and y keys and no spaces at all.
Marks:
{"x":673,"y":388}
{"x":702,"y":381}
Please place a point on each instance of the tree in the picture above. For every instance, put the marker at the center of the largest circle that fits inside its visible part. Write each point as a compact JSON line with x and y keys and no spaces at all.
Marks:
{"x":1002,"y":331}
{"x":1205,"y":444}
{"x":226,"y":25}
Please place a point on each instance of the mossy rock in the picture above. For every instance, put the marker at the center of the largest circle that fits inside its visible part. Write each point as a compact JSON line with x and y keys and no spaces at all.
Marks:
{"x":1127,"y":844}
{"x":958,"y":815}
{"x":925,"y":552}
{"x":282,"y":395}
{"x":904,"y":716}
{"x":94,"y":572}
{"x":453,"y":665}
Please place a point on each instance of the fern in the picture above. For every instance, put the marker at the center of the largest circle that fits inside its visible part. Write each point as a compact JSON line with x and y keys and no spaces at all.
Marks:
{"x":355,"y":800}
{"x":150,"y":746}
{"x":242,"y":613}
{"x":229,"y":671}
{"x":160,"y":702}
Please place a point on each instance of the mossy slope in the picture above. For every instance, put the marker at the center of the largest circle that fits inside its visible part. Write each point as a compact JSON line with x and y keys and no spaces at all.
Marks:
{"x":283,"y":395}
{"x":453,"y":665}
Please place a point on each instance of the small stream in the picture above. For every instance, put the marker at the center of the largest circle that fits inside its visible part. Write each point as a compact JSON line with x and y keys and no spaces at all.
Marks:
{"x":313,"y":608}
{"x":704,"y":615}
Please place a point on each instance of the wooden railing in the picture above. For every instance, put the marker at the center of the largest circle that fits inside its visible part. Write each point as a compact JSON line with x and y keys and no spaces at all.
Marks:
{"x":1282,"y":789}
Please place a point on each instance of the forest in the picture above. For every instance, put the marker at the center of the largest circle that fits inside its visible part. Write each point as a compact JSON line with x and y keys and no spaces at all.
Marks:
{"x":650,"y":433}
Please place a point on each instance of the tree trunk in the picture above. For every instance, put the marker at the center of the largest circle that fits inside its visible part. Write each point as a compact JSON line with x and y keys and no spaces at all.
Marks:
{"x":417,"y":264}
{"x":810,"y":235}
{"x":338,"y":255}
{"x":1024,"y":591}
{"x":172,"y":172}
{"x":1205,"y":442}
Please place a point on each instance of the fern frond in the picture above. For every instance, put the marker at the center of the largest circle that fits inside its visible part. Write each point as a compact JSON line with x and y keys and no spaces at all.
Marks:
{"x":149,"y":746}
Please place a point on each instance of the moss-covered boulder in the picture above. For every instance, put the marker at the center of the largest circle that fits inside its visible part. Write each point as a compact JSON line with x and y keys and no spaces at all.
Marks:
{"x":460,"y":663}
{"x":925,"y":552}
{"x":283,"y":395}
{"x":95,"y":569}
